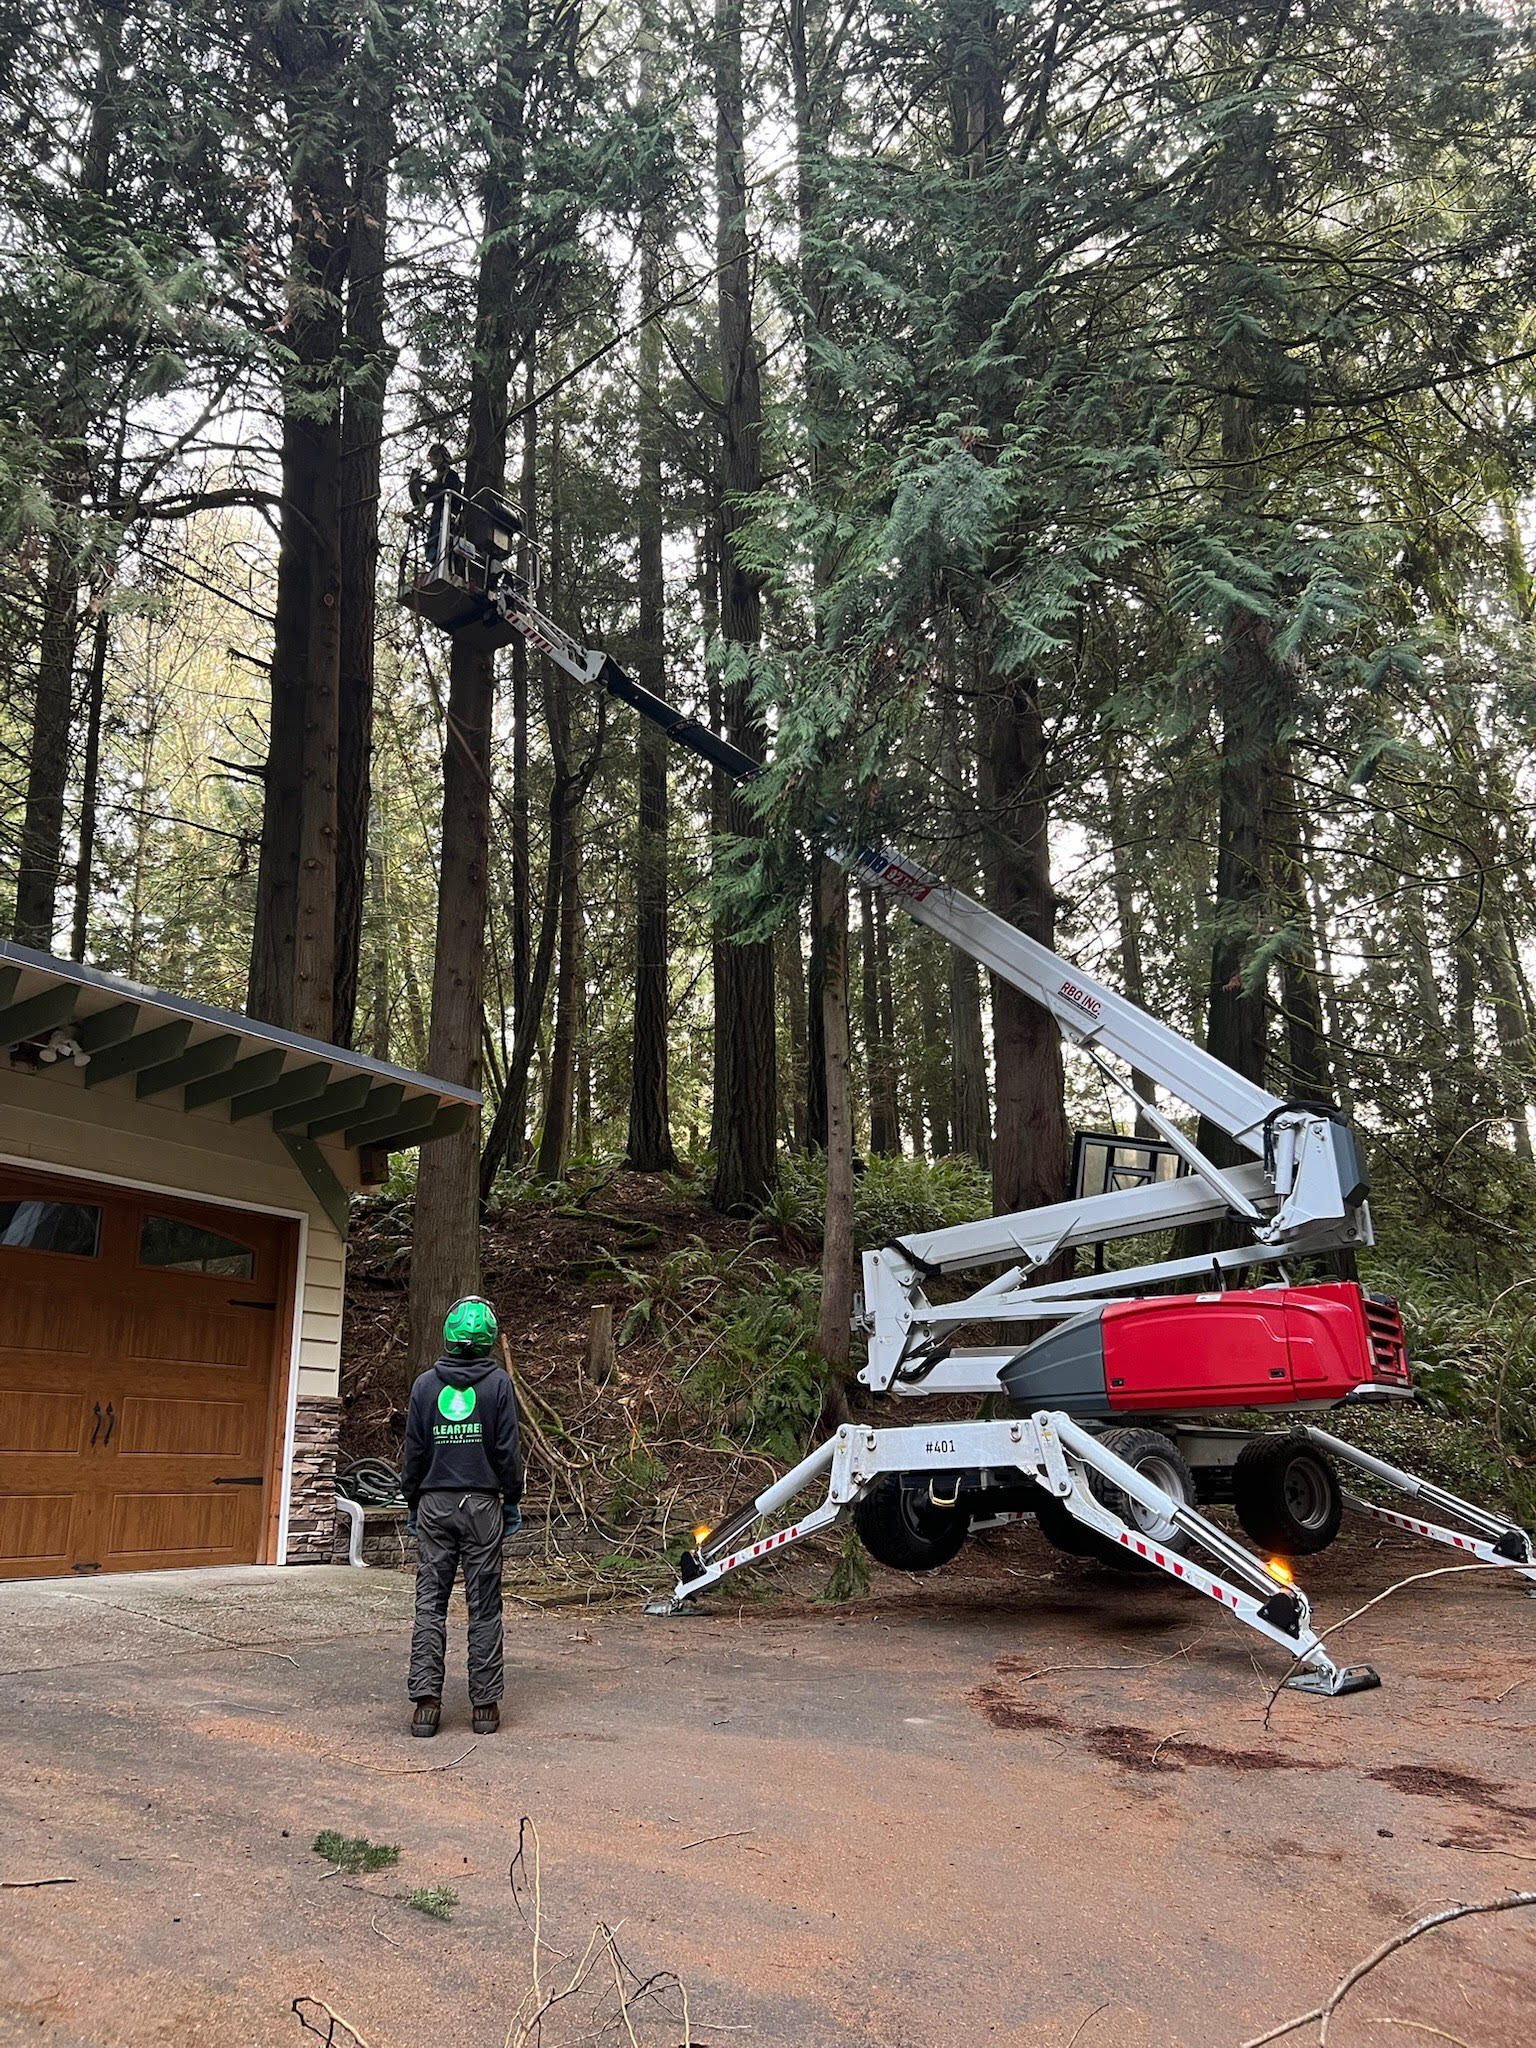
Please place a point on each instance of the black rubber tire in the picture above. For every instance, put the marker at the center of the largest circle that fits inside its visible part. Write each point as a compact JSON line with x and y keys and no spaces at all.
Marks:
{"x":1063,"y":1531}
{"x":900,"y":1527}
{"x":1147,"y":1450}
{"x":1287,"y":1495}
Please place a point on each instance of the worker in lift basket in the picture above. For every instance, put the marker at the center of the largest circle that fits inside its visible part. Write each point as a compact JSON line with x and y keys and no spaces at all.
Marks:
{"x":430,"y":495}
{"x":462,"y":1475}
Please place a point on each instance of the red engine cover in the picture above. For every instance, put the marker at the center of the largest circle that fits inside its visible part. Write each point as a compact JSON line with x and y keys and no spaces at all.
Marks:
{"x":1251,"y":1347}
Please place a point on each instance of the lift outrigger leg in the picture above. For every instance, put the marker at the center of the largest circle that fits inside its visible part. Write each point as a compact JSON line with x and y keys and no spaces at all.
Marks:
{"x":1495,"y":1541}
{"x":1058,"y":1457}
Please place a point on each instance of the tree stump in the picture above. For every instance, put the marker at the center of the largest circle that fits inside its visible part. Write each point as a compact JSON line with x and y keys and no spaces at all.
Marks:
{"x":601,"y":1357}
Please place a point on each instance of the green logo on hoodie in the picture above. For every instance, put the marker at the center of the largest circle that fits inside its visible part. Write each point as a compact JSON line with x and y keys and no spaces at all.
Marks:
{"x":456,"y":1403}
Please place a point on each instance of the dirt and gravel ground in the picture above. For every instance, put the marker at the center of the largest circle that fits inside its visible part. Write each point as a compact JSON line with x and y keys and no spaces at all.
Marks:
{"x":1021,"y":1804}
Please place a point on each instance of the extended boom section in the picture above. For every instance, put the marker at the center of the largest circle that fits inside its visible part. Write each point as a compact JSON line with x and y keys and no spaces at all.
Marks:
{"x":1305,"y":1192}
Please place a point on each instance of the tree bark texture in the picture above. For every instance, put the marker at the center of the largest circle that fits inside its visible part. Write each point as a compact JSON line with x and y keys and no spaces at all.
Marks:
{"x":554,"y":1139}
{"x":1032,"y":1145}
{"x":937,"y":1068}
{"x":1306,"y":1036}
{"x":837,"y":1256}
{"x":972,"y":1134}
{"x":649,"y":1147}
{"x":792,"y":975}
{"x":293,"y":943}
{"x":884,"y":1084}
{"x":746,"y":1104}
{"x":42,"y":825}
{"x":815,"y":1041}
{"x":1128,"y":924}
{"x":1251,"y":696}
{"x":881,"y":1138}
{"x":445,"y":1261}
{"x":90,"y":777}
{"x":369,"y":360}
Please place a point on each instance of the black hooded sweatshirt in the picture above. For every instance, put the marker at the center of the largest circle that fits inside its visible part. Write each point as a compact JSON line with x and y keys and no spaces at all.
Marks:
{"x":461,"y":1432}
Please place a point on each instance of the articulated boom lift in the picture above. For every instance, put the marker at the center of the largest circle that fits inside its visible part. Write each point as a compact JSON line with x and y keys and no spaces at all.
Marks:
{"x":1108,"y":1440}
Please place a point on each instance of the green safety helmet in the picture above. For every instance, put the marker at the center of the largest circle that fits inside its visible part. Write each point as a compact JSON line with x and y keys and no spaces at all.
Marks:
{"x":469,"y":1329}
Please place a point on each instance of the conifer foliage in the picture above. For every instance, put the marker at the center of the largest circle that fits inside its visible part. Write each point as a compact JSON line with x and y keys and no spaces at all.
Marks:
{"x":1089,"y":444}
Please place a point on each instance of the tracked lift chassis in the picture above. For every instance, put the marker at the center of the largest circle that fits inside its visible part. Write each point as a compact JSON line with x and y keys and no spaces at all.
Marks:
{"x":1051,"y":1455}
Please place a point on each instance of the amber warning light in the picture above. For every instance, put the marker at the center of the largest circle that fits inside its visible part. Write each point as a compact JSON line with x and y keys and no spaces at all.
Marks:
{"x":1279,"y":1570}
{"x":701,"y":1532}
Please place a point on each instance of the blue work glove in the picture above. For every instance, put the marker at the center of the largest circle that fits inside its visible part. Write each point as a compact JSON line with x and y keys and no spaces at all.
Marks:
{"x":511,"y":1519}
{"x":410,"y":1521}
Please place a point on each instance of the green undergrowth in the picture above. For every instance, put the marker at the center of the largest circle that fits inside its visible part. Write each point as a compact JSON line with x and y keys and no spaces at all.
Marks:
{"x":1472,"y":1346}
{"x":891,"y":1197}
{"x":437,"y":1901}
{"x":355,"y":1853}
{"x":736,"y":1326}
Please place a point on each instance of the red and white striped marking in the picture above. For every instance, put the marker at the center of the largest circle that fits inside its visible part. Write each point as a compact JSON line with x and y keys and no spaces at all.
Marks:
{"x":1180,"y":1568}
{"x":1438,"y":1533}
{"x":1427,"y":1529}
{"x":737,"y":1557}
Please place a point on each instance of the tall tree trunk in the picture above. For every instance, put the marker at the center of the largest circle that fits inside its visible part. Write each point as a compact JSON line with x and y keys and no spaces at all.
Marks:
{"x":293,"y":943}
{"x":649,"y":1147}
{"x":1465,"y":901}
{"x":90,"y":776}
{"x":937,"y":1069}
{"x":1128,"y":924}
{"x":369,"y":360}
{"x":973,"y":1117}
{"x":505,"y":1140}
{"x":746,"y":1108}
{"x":42,"y":824}
{"x":811,"y":81}
{"x":378,"y":904}
{"x":1253,"y":696}
{"x":42,"y":831}
{"x":972,"y":1122}
{"x":882,"y":1138}
{"x":445,"y":1259}
{"x":884,"y":1083}
{"x":1032,"y":1146}
{"x":792,"y":974}
{"x":1511,"y":1025}
{"x":559,"y":1090}
{"x":837,"y":1258}
{"x":815,"y":1039}
{"x":511,"y":1118}
{"x":1328,"y":983}
{"x":522,"y":864}
{"x":1306,"y":1037}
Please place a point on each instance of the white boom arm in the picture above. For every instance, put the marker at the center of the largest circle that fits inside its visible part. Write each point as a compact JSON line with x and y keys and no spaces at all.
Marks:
{"x":1304,"y":1193}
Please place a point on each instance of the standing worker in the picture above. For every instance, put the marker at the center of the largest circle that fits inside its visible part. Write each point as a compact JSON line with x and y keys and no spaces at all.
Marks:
{"x":431,"y":495}
{"x":462,"y":1476}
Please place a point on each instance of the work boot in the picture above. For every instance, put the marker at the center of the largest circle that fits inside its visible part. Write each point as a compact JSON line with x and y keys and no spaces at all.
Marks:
{"x":426,"y":1717}
{"x":487,"y":1718}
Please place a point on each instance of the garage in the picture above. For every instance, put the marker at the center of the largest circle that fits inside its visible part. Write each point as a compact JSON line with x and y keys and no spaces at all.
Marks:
{"x":142,"y":1345}
{"x":174,"y":1192}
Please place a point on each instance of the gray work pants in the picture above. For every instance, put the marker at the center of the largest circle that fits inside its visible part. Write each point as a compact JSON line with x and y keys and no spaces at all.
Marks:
{"x":454,"y":1529}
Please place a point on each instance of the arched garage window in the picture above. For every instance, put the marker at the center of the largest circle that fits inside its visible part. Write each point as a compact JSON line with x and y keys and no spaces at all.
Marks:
{"x":177,"y":1247}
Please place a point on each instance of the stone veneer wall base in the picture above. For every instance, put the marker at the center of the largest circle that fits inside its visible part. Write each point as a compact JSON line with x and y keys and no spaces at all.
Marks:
{"x":312,"y":1502}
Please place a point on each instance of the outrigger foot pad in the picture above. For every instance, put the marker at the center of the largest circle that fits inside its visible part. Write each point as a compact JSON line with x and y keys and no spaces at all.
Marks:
{"x":668,"y":1604}
{"x":1350,"y":1678}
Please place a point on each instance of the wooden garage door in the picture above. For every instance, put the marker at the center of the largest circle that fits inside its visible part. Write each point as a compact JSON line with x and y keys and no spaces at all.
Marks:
{"x":141,"y":1341}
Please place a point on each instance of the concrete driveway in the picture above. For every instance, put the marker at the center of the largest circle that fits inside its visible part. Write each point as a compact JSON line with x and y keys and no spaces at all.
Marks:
{"x":1021,"y":1804}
